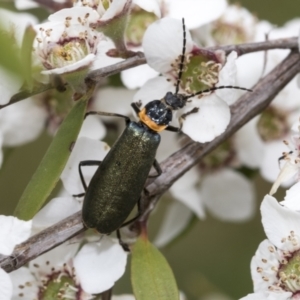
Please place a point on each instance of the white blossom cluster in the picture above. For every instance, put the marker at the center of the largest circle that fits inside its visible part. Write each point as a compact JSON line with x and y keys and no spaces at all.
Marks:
{"x":90,"y":34}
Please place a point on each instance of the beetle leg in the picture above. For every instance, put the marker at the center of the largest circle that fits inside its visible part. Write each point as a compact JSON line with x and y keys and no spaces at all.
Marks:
{"x":140,"y":210}
{"x":136,"y":108}
{"x":157,"y":168}
{"x":85,"y":163}
{"x":172,"y":128}
{"x":183,"y":116}
{"x":101,"y":113}
{"x":123,"y":244}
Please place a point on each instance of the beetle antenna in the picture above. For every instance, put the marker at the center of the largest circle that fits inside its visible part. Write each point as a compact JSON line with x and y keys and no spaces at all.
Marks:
{"x":217,"y":88}
{"x":181,"y":64}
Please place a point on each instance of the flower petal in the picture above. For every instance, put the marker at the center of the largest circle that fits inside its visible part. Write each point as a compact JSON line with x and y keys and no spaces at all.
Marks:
{"x":279,"y":222}
{"x":136,"y":77}
{"x":54,"y":211}
{"x":115,"y":100}
{"x":163,"y":42}
{"x":236,"y":204}
{"x":269,"y":167}
{"x":55,"y":258}
{"x":185,"y":191}
{"x":149,"y":5}
{"x":6,"y":286}
{"x":248,"y":144}
{"x":153,"y":89}
{"x":110,"y":259}
{"x":19,"y":277}
{"x":177,"y":217}
{"x":207,"y":11}
{"x":12,"y":232}
{"x":92,"y":128}
{"x":266,"y":261}
{"x":291,"y":199}
{"x":210,"y":121}
{"x":84,"y":149}
{"x":227,"y":76}
{"x":17,"y":128}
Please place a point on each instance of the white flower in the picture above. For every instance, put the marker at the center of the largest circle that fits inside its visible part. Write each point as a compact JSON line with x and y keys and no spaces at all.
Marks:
{"x":163,"y":42}
{"x":274,"y":267}
{"x":207,"y":11}
{"x":67,"y":43}
{"x":63,"y":273}
{"x":267,"y":133}
{"x":291,"y":165}
{"x":12,"y":232}
{"x":6,"y":287}
{"x":21,"y":123}
{"x":147,"y":12}
{"x":205,"y":187}
{"x":106,"y":10}
{"x":236,"y":25}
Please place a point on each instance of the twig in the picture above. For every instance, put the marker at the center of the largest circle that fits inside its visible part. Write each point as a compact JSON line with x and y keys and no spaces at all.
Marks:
{"x":248,"y":106}
{"x":43,"y":242}
{"x":139,"y":59}
{"x":241,"y":49}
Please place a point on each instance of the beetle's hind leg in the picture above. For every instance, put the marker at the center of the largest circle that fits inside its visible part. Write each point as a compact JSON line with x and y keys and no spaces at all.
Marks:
{"x":139,"y":213}
{"x":183,"y":116}
{"x":158,"y":169}
{"x":85,"y":163}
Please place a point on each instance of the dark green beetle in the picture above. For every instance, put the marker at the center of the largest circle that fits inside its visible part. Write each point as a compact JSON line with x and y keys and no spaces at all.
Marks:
{"x":117,"y":185}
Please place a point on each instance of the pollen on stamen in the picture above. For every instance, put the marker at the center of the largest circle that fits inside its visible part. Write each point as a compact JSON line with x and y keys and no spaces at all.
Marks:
{"x":264,"y":260}
{"x":265,"y":278}
{"x":275,"y":269}
{"x":36,"y":265}
{"x":259,"y":269}
{"x":271,"y":249}
{"x":21,"y":295}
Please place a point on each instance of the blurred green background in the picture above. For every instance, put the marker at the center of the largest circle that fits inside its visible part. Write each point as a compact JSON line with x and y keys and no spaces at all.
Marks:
{"x":213,"y":256}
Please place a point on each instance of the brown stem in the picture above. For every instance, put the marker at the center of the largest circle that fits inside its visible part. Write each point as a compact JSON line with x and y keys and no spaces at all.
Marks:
{"x":248,"y":106}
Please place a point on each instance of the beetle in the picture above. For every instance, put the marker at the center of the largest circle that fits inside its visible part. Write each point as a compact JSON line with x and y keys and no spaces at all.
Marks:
{"x":117,"y":184}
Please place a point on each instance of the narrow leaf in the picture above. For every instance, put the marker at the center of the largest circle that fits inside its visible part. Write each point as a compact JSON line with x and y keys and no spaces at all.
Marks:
{"x":47,"y":174}
{"x":151,"y":275}
{"x":26,"y":53}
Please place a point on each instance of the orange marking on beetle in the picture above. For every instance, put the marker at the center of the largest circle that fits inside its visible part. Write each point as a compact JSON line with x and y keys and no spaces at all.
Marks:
{"x":151,"y":124}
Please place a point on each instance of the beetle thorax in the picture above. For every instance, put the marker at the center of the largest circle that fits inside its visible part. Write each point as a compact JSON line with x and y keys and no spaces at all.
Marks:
{"x":159,"y":112}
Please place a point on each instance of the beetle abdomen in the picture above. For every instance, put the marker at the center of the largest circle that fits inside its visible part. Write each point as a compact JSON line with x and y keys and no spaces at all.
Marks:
{"x":117,"y":184}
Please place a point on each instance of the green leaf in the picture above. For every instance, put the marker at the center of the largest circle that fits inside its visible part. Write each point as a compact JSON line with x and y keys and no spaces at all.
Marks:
{"x":47,"y":175}
{"x":10,"y":52}
{"x":151,"y":275}
{"x":26,"y":53}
